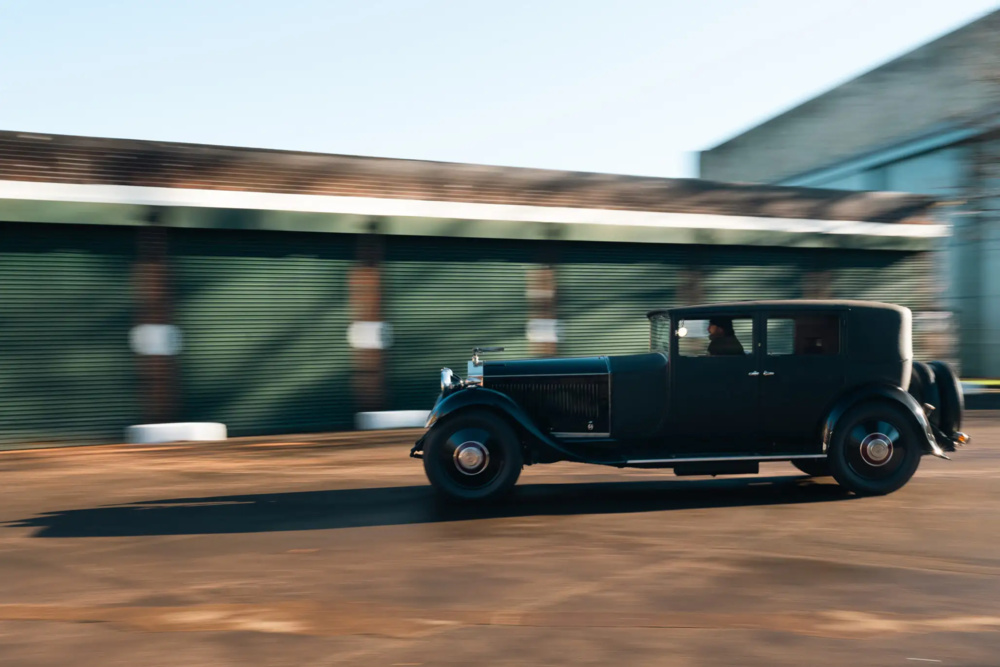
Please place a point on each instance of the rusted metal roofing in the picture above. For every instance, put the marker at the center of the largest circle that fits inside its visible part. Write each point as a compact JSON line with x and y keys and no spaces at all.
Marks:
{"x":89,"y":160}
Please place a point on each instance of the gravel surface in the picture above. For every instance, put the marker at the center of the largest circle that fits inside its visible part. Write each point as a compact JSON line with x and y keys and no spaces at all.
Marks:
{"x":332,"y":550}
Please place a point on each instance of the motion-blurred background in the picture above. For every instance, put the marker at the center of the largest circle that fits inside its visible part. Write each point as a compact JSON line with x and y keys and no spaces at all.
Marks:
{"x":847,"y":150}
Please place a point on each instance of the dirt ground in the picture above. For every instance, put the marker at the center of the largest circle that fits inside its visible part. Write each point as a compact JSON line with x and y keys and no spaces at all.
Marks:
{"x":330,"y":551}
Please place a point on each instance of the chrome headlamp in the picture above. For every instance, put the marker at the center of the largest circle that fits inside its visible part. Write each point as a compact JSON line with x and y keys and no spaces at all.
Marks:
{"x":447,"y":379}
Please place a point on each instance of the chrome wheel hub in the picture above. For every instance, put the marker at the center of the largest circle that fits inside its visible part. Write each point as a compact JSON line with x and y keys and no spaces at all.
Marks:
{"x":876,"y":449}
{"x":471,"y":458}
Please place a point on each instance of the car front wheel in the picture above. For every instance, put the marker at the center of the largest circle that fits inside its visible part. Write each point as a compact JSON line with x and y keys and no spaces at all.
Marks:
{"x":473,"y":456}
{"x":875,"y":449}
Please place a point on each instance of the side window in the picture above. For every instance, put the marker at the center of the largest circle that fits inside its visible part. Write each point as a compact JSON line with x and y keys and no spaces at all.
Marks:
{"x":803,"y":335}
{"x":715,"y":337}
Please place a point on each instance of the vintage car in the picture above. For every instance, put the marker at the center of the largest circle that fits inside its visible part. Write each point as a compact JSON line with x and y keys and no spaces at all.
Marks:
{"x":829,"y":386}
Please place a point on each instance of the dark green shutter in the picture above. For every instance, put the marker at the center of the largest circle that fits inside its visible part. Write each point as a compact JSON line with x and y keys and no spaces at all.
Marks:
{"x":264,"y":317}
{"x":66,"y":371}
{"x":443,"y":297}
{"x":907,"y":279}
{"x":732,"y":273}
{"x":605,"y":291}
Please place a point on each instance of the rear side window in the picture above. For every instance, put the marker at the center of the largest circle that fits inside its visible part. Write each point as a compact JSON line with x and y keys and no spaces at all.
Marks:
{"x":803,"y":335}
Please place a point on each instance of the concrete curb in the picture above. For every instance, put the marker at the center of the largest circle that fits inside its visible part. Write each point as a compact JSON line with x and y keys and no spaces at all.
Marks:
{"x":154,"y":434}
{"x":369,"y":421}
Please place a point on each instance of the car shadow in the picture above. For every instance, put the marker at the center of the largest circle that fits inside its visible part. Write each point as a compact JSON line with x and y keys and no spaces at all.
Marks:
{"x":390,"y":506}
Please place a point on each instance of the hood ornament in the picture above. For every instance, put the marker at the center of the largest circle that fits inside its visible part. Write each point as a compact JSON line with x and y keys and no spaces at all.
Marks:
{"x":476,"y":351}
{"x":475,"y":370}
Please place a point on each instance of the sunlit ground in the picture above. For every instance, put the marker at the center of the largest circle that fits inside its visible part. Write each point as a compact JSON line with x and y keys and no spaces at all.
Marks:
{"x":325,"y":551}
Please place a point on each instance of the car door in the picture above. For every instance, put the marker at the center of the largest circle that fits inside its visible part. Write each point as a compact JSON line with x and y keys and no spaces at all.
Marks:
{"x":714,"y":396}
{"x":802,"y":375}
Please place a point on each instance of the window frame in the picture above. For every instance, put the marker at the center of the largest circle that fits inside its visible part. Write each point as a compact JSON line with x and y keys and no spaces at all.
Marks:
{"x":748,"y":352}
{"x":786,"y":315}
{"x":671,"y":328}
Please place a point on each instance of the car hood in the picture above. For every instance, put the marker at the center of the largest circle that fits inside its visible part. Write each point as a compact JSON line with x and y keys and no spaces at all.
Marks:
{"x":529,"y":367}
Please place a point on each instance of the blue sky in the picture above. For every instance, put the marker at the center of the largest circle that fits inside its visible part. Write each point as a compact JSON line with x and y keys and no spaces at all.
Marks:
{"x":625,"y":86}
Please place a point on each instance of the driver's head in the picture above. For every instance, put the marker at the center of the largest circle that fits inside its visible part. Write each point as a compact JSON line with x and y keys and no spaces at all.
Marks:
{"x":720,"y":326}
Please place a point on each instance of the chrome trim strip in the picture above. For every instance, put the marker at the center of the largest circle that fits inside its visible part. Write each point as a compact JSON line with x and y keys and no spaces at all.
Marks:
{"x":547,"y":375}
{"x":706,"y":459}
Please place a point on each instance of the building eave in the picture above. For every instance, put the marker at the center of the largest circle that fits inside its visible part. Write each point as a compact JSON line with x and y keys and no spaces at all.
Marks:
{"x":185,"y":207}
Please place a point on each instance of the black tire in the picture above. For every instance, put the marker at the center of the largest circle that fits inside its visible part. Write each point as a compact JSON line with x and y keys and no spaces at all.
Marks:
{"x":856,"y":455}
{"x":479,"y":432}
{"x":952,"y":399}
{"x":813,"y":467}
{"x":923,"y":387}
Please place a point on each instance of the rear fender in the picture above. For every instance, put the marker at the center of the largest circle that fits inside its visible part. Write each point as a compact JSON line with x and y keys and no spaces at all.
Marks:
{"x":889,"y":393}
{"x":542,"y":447}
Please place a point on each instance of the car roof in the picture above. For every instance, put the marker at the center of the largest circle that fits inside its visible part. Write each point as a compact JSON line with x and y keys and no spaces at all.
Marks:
{"x":785,"y":305}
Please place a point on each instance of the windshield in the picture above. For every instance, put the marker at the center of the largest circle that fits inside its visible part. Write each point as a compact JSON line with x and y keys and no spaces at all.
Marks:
{"x":659,"y":333}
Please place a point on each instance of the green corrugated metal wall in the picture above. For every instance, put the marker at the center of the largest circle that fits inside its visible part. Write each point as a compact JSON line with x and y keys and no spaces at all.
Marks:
{"x":443,"y":297}
{"x":741,"y":274}
{"x":265,"y":314}
{"x":264,"y":317}
{"x":907,"y":279}
{"x":66,"y":371}
{"x":605,"y":290}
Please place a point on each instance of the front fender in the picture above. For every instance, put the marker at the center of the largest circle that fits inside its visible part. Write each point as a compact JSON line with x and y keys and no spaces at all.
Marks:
{"x":480,"y":397}
{"x":885,"y":392}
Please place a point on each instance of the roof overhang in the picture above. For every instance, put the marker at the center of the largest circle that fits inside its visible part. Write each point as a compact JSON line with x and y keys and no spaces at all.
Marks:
{"x":79,"y":203}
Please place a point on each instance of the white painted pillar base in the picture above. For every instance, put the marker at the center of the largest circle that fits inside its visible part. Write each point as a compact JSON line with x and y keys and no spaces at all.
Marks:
{"x":367,"y":421}
{"x":150,"y":434}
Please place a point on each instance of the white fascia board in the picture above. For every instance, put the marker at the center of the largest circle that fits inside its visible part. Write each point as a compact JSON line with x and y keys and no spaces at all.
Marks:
{"x":418,"y":208}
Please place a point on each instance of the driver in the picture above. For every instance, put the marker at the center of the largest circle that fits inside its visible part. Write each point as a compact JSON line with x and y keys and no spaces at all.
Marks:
{"x":722,"y":338}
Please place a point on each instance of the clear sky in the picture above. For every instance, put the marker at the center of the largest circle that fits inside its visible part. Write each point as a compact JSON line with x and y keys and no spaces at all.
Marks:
{"x":626,"y":86}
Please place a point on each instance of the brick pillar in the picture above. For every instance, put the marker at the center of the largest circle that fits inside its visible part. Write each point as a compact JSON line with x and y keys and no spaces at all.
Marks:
{"x":153,"y":305}
{"x":542,"y":310}
{"x":366,"y":306}
{"x":542,"y":287}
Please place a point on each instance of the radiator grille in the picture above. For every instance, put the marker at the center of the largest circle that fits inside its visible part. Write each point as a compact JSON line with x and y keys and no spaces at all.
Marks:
{"x":560,"y":404}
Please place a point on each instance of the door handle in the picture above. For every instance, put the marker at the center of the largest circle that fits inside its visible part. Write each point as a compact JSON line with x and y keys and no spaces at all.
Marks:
{"x":753,"y":374}
{"x":768,"y":373}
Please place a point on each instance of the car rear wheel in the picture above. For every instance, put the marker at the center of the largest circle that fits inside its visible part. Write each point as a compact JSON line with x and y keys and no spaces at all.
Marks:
{"x":875,"y":449}
{"x":474,"y":456}
{"x":813,"y":467}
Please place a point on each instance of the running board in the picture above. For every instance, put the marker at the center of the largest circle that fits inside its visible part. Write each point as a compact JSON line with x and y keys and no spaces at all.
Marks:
{"x":722,"y":459}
